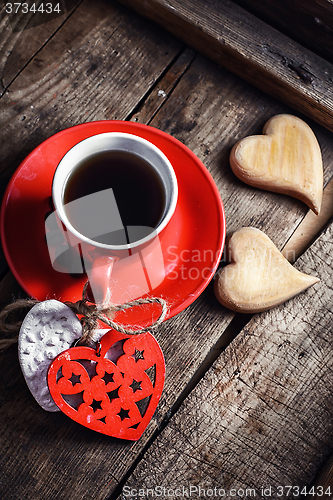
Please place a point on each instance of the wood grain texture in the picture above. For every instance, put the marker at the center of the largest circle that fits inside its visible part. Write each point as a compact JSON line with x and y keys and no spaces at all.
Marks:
{"x":262,"y":415}
{"x":253,"y":50}
{"x":150,"y":106}
{"x":257,"y":277}
{"x":286,"y":159}
{"x":309,"y":23}
{"x":48,"y":456}
{"x":310,"y":227}
{"x":24,"y":34}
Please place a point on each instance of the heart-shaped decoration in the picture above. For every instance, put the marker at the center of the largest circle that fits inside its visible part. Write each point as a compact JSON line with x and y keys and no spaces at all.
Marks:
{"x":49,"y":328}
{"x":114,"y":389}
{"x":287,"y":159}
{"x":258,"y":277}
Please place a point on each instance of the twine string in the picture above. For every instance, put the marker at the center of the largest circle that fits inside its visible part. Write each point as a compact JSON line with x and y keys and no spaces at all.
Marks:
{"x":22,"y":305}
{"x":91,"y":314}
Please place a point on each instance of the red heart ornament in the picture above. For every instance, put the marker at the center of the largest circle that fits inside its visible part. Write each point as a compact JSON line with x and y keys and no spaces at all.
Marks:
{"x":113,"y":390}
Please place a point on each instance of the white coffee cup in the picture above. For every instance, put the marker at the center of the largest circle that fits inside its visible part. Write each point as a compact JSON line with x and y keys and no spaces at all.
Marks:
{"x":103,"y":254}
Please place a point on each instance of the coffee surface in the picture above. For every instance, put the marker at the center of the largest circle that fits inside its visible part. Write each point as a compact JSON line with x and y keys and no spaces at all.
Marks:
{"x":136,"y":189}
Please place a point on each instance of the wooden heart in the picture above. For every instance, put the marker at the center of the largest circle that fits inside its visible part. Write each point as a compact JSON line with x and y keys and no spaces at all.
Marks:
{"x":287,"y":159}
{"x":258,"y":277}
{"x":113,"y":390}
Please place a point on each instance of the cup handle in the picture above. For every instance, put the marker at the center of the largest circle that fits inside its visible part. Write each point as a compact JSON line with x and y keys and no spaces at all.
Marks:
{"x":99,"y":278}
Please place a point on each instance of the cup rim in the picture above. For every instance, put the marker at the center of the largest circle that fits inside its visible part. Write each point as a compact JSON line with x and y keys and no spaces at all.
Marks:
{"x":58,"y":188}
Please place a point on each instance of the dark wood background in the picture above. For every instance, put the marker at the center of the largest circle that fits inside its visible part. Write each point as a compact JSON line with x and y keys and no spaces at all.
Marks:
{"x":250,"y":413}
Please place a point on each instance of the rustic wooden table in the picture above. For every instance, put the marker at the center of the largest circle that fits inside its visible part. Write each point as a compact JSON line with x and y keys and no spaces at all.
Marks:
{"x":247,"y":403}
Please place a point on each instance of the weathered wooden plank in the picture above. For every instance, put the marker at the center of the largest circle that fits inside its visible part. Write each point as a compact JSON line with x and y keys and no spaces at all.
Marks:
{"x":23,"y":34}
{"x":309,"y":23}
{"x":262,"y":415}
{"x":253,"y":50}
{"x":310,"y":227}
{"x":162,"y":91}
{"x":57,"y":480}
{"x":88,"y":71}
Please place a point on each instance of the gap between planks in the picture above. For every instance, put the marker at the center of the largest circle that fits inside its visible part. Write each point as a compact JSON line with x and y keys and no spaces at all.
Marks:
{"x":159,"y":93}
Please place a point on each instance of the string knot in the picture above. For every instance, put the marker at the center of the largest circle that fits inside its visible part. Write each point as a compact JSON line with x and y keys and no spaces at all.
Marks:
{"x":90,"y":315}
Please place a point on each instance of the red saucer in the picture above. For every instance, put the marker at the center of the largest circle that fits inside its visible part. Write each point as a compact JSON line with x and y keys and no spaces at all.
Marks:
{"x":191,"y":244}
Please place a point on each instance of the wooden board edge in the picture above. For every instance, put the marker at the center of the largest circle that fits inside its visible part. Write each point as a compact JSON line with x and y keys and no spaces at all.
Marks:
{"x":250,"y":48}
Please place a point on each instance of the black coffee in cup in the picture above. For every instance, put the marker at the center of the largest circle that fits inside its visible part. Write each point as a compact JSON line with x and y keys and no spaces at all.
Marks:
{"x":136,"y":189}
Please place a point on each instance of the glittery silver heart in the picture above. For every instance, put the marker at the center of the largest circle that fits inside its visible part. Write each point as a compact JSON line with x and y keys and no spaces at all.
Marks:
{"x":49,"y":328}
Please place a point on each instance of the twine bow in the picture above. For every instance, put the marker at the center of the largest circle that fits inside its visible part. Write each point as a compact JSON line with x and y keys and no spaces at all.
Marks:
{"x":90,"y":313}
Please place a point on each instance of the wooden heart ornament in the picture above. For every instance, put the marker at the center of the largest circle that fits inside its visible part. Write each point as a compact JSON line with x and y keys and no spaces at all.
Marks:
{"x":258,"y":277}
{"x":287,"y":159}
{"x":114,"y":389}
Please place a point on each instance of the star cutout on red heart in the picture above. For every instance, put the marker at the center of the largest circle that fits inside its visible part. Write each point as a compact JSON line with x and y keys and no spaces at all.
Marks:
{"x":114,"y":391}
